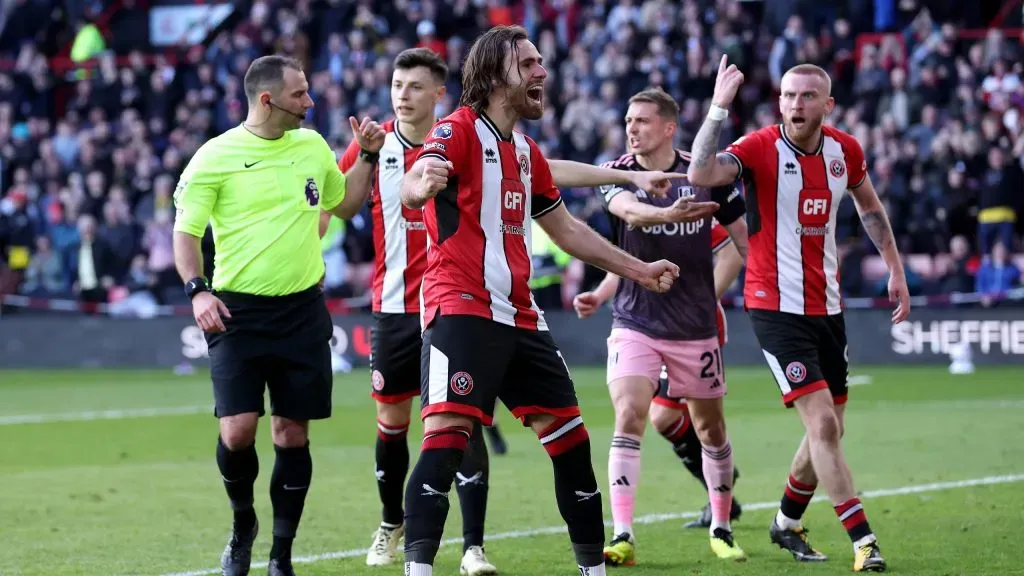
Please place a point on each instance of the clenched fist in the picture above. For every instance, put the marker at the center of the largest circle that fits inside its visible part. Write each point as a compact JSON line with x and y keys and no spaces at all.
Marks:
{"x":659,"y":276}
{"x":434,"y":178}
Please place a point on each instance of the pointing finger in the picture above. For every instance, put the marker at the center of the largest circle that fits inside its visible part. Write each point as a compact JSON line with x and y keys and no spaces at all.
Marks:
{"x":674,"y":175}
{"x":354,"y":124}
{"x":722,"y":63}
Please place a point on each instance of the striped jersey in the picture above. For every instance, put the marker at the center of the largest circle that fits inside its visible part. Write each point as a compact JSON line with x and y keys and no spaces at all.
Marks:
{"x":793,"y":196}
{"x":480,"y":235}
{"x":399,"y":234}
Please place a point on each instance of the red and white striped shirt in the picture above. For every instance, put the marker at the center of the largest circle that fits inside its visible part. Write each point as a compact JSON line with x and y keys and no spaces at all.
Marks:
{"x":399,"y":234}
{"x":479,"y":227}
{"x":792,"y":198}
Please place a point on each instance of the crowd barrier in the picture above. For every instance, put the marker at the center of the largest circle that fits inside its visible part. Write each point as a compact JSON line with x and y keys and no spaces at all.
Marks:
{"x":995,"y":335}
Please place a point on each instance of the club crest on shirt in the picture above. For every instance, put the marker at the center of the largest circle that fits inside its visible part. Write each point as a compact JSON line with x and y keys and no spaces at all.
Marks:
{"x":686,"y":192}
{"x":837,"y":168}
{"x":524,"y":164}
{"x":312,"y":192}
{"x":443,"y":131}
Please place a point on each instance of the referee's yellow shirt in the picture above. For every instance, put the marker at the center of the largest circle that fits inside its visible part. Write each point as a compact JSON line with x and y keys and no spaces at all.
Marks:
{"x":263,"y":198}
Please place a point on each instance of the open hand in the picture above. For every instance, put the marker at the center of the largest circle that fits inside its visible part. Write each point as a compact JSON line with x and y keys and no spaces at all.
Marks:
{"x":655,"y":182}
{"x":586,"y":303}
{"x":207,"y":310}
{"x":899,"y":294}
{"x":368,"y":133}
{"x":688,"y":210}
{"x":727,"y":83}
{"x":659,"y":276}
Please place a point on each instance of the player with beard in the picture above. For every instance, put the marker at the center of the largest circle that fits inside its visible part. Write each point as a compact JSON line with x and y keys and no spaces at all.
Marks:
{"x":478,"y":181}
{"x":795,"y":176}
{"x":678,"y":330}
{"x":400,"y":241}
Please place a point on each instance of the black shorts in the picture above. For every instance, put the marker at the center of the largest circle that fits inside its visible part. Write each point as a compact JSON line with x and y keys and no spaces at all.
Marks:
{"x":805,"y":353}
{"x":278,"y":342}
{"x":395,"y":345}
{"x":468,"y":362}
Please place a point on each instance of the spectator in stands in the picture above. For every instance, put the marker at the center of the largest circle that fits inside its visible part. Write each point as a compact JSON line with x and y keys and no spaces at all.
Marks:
{"x":997,"y":274}
{"x":957,"y":278}
{"x":45,"y":274}
{"x":998,"y":202}
{"x":94,"y":265}
{"x":935,"y":111}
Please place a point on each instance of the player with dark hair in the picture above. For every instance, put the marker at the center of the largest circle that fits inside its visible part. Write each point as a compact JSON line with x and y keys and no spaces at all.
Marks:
{"x":478,"y":181}
{"x":262,"y":186}
{"x":400,"y":248}
{"x":795,"y":175}
{"x":676,"y":332}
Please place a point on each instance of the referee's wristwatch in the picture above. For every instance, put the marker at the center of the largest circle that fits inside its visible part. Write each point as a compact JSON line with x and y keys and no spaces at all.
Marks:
{"x":195,"y":286}
{"x":370,"y":157}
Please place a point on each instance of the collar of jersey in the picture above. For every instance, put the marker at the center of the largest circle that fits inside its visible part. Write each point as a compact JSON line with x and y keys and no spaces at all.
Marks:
{"x":493,"y":127}
{"x":798,"y":150}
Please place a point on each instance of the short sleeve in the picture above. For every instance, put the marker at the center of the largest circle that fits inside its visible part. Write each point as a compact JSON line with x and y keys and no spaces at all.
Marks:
{"x":334,"y":180}
{"x":449,"y":140}
{"x":856,"y":164}
{"x":748,"y":151}
{"x":196,"y":193}
{"x":350,"y":156}
{"x":731,"y":206}
{"x":609,"y":191}
{"x":546,"y":196}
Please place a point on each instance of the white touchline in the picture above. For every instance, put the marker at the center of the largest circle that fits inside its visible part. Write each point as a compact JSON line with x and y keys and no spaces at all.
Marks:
{"x":102,"y":415}
{"x":655,"y":518}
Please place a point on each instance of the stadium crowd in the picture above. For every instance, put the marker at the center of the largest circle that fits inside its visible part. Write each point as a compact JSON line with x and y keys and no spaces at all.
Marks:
{"x":89,"y":159}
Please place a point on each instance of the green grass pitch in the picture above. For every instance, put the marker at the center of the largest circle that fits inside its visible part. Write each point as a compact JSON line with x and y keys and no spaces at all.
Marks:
{"x":112,"y":473}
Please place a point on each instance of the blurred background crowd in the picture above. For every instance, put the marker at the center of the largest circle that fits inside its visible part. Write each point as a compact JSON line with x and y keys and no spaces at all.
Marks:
{"x":99,"y":112}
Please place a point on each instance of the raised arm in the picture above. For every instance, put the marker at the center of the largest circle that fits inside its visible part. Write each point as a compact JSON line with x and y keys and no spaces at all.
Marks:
{"x":368,"y":139}
{"x":707,"y":168}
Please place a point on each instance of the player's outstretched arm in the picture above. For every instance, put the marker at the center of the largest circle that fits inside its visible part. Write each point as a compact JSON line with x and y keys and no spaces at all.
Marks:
{"x":876,"y":224}
{"x":635,"y":213}
{"x":582,"y":242}
{"x":569,"y":174}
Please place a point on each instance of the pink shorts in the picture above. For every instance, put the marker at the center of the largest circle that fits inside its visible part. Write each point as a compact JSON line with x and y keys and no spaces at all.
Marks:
{"x":694,"y":366}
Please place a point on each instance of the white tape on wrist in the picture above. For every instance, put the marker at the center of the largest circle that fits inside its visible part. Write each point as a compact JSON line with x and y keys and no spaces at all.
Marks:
{"x":717,"y":113}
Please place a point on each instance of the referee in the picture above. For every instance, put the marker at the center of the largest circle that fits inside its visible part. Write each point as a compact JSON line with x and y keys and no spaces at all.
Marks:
{"x":262,"y":186}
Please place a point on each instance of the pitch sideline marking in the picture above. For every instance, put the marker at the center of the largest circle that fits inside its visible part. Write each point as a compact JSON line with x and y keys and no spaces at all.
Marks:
{"x":90,"y":415}
{"x":655,"y":518}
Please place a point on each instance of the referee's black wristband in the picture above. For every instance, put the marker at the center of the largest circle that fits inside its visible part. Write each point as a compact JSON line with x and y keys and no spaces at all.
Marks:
{"x":370,"y":157}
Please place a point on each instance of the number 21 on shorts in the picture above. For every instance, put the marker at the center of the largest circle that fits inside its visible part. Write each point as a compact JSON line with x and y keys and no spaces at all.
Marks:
{"x":711,"y":366}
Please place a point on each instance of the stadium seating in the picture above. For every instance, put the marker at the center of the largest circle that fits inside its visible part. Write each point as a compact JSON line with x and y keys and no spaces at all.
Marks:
{"x":96,"y":120}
